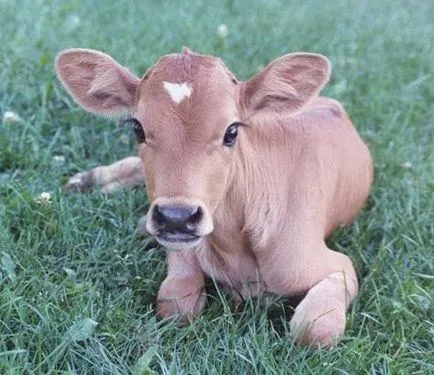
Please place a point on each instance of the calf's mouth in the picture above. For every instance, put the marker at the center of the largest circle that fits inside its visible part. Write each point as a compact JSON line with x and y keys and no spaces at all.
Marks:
{"x":178,"y":241}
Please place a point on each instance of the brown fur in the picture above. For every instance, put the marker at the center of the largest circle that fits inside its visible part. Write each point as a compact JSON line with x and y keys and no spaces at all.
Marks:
{"x":297,"y":171}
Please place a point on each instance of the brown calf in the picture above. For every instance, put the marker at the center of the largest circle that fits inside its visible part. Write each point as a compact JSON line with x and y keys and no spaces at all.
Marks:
{"x":246,"y":179}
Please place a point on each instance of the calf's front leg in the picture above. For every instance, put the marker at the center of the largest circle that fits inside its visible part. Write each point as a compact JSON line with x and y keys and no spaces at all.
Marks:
{"x":331,"y":284}
{"x":125,"y":172}
{"x":320,"y":318}
{"x":182,"y":293}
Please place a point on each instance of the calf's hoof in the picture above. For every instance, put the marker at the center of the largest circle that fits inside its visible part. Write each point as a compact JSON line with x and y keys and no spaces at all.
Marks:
{"x":80,"y":182}
{"x":180,"y":298}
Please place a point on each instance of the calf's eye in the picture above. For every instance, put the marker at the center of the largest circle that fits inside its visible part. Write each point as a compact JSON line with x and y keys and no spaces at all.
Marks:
{"x":231,"y":134}
{"x":138,"y":130}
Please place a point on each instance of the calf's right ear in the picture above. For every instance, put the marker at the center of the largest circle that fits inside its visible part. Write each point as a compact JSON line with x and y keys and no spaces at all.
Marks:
{"x":96,"y":81}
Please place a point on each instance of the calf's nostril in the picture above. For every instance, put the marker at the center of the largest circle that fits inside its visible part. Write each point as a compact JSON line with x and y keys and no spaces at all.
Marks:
{"x":194,"y":219}
{"x":158,"y":216}
{"x":196,"y":216}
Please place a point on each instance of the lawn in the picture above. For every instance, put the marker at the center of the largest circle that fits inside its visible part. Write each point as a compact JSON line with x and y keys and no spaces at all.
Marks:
{"x":77,"y":282}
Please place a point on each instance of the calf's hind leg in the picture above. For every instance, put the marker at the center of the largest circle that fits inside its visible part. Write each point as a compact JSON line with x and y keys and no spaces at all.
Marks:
{"x":123,"y":173}
{"x":320,"y":319}
{"x":109,"y":178}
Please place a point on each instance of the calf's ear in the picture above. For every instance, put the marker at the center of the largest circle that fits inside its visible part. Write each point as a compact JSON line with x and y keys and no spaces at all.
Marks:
{"x":96,"y":81}
{"x":287,"y":84}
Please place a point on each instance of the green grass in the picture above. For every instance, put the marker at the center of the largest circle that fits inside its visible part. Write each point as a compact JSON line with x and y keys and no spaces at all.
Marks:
{"x":78,"y":261}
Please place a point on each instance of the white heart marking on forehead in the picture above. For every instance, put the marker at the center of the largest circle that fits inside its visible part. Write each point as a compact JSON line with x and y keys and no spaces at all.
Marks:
{"x":178,"y":91}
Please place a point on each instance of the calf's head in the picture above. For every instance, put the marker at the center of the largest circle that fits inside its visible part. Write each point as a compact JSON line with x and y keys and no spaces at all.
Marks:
{"x":187,"y":112}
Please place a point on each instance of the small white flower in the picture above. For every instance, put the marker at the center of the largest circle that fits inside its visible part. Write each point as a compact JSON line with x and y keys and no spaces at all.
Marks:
{"x":44,"y":198}
{"x":73,"y":21}
{"x":346,"y":61}
{"x":125,"y":139}
{"x":9,"y":117}
{"x":59,"y":159}
{"x":406,"y":165}
{"x":222,"y":31}
{"x":340,"y":87}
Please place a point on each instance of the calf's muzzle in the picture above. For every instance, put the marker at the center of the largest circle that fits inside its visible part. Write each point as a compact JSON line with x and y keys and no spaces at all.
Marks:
{"x":176,"y":219}
{"x":179,"y":223}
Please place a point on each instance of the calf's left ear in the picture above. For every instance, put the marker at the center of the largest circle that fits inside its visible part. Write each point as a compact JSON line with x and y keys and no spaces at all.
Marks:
{"x":96,"y":81}
{"x":287,"y":84}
